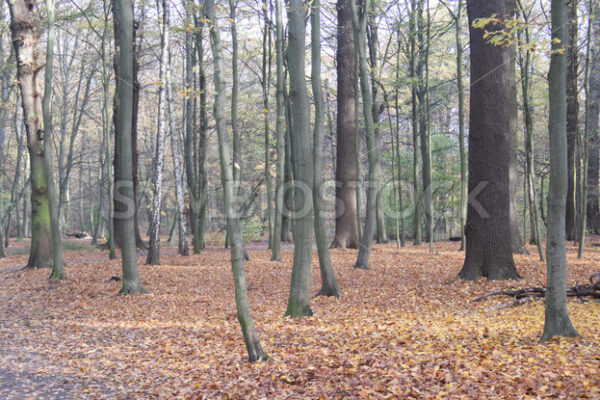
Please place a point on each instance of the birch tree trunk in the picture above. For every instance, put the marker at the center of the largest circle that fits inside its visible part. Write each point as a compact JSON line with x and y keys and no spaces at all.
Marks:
{"x":154,"y":247}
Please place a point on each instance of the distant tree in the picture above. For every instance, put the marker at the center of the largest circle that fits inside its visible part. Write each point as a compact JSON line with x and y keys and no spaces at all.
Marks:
{"x":346,"y":222}
{"x":557,"y":321}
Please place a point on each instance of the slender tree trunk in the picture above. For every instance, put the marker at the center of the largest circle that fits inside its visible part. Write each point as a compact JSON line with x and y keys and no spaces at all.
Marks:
{"x":329,"y":285}
{"x":180,"y":218}
{"x":53,"y":203}
{"x":279,"y":127}
{"x":255,"y":352}
{"x":154,"y":247}
{"x":593,"y":178}
{"x":346,"y":222}
{"x":29,"y":66}
{"x":415,"y":125}
{"x":124,"y":190}
{"x":489,"y":250}
{"x":359,"y":21}
{"x":572,"y":120}
{"x":299,"y":298}
{"x":585,"y":139}
{"x":557,"y":322}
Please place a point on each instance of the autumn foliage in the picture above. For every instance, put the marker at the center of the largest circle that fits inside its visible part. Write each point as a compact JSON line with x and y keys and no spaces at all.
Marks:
{"x":398,"y":331}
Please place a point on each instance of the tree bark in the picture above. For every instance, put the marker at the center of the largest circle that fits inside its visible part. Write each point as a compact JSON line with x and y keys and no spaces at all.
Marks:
{"x":154,"y":247}
{"x":124,"y":190}
{"x":488,"y":236}
{"x":280,"y":132}
{"x":359,"y":22}
{"x":593,"y":208}
{"x":346,"y":222}
{"x":329,"y":286}
{"x":29,"y":65}
{"x":557,"y":322}
{"x":53,"y":201}
{"x":299,"y":298}
{"x":572,"y":121}
{"x":255,"y":352}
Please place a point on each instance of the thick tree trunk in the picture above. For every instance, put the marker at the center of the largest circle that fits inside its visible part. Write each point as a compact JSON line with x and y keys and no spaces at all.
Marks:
{"x":255,"y":352}
{"x":572,"y":121}
{"x":346,"y":222}
{"x":329,"y":285}
{"x":29,"y":65}
{"x":488,"y":251}
{"x":154,"y":247}
{"x":557,"y":322}
{"x":299,"y":298}
{"x":124,"y":190}
{"x":415,"y":125}
{"x":593,"y":178}
{"x":359,"y":23}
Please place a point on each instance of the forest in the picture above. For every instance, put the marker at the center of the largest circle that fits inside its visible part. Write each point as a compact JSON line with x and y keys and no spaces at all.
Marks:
{"x":267,"y":199}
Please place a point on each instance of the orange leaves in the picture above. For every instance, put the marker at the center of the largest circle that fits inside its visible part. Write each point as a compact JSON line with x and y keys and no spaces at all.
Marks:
{"x":396,"y":332}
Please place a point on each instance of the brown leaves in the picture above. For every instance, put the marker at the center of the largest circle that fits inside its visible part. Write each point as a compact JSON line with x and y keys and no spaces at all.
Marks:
{"x":395,"y":332}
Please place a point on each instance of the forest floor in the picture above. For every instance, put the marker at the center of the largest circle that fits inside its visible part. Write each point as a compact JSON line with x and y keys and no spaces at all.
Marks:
{"x":398,"y":331}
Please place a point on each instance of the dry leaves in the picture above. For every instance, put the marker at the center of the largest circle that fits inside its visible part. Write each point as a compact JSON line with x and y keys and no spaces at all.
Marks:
{"x":395,"y":333}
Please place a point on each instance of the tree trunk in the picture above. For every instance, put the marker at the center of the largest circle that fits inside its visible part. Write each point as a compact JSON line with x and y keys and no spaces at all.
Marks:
{"x":329,"y":285}
{"x":572,"y":120}
{"x":557,"y":322}
{"x":359,"y":23}
{"x":124,"y":190}
{"x":280,"y":165}
{"x":154,"y":247}
{"x":180,"y":218}
{"x":593,"y":208}
{"x":265,"y":80}
{"x":488,"y":236}
{"x":346,"y":222}
{"x":415,"y":125}
{"x":299,"y":298}
{"x":29,"y":66}
{"x":53,"y":201}
{"x":255,"y":352}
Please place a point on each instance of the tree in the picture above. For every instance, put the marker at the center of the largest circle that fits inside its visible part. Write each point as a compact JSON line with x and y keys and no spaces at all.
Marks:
{"x":29,"y":65}
{"x":53,"y":203}
{"x":488,"y":236}
{"x":572,"y":120}
{"x":299,"y":298}
{"x":255,"y":352}
{"x":124,"y":190}
{"x":280,"y":132}
{"x":557,"y":322}
{"x":346,"y":222}
{"x":359,"y":24}
{"x":593,"y":209}
{"x":329,"y":285}
{"x":154,"y":247}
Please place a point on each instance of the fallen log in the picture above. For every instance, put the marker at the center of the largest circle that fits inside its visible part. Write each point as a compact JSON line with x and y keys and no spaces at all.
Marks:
{"x":579,"y":291}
